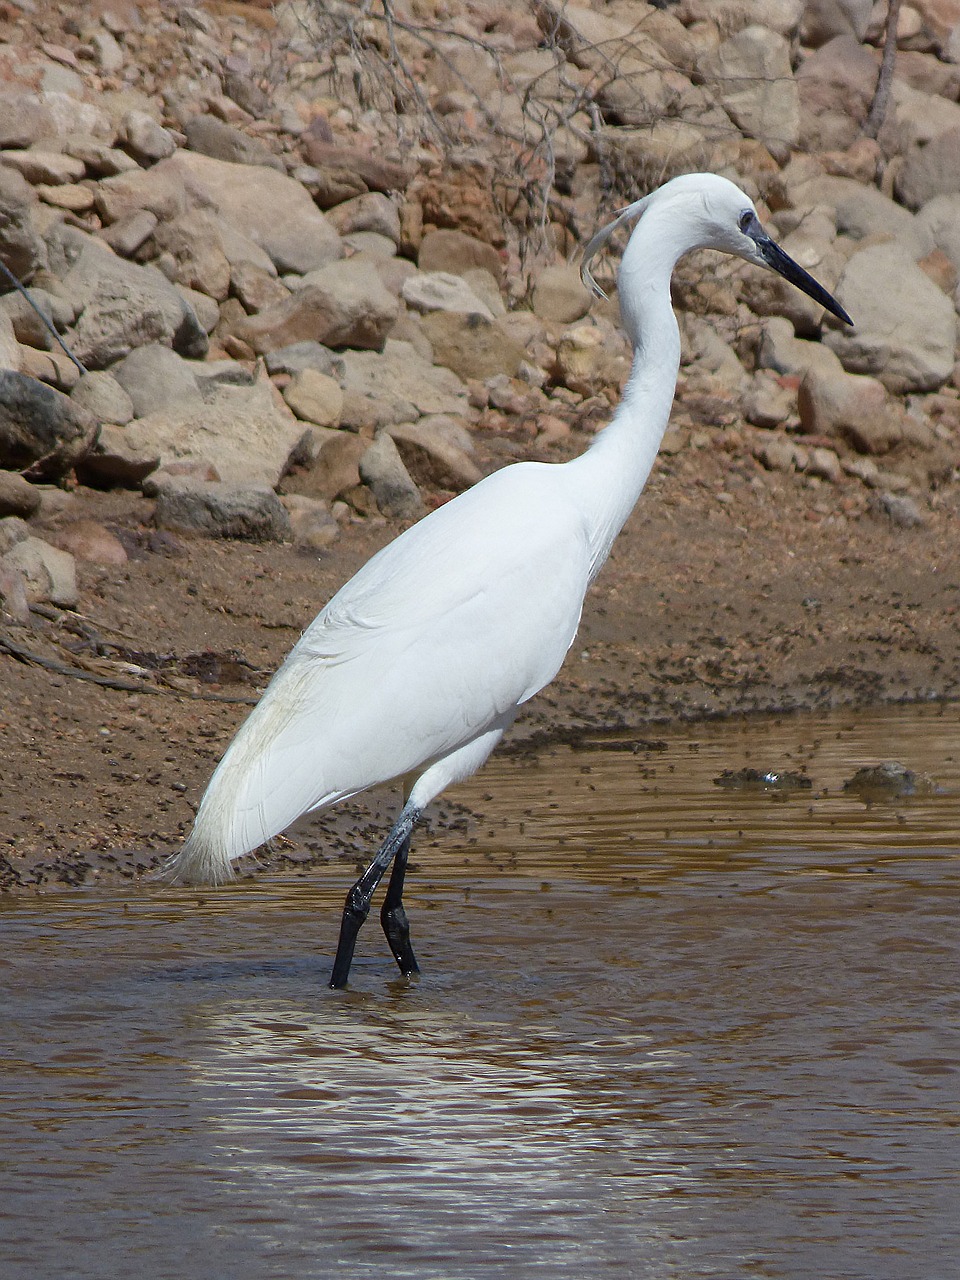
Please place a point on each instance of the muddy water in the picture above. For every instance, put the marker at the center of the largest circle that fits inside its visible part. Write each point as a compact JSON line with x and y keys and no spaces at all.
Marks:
{"x":664,"y":1030}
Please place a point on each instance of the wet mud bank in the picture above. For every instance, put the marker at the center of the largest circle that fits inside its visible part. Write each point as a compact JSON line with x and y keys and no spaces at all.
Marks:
{"x":724,"y":596}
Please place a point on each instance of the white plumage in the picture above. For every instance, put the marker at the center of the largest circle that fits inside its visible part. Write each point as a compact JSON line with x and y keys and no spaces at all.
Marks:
{"x":419,"y":664}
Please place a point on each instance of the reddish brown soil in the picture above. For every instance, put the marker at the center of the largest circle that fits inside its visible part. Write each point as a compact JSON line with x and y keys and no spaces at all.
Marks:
{"x":730,"y":591}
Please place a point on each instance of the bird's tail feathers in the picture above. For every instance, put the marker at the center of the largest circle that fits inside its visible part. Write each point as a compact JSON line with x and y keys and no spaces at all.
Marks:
{"x":202,"y":860}
{"x":594,"y":246}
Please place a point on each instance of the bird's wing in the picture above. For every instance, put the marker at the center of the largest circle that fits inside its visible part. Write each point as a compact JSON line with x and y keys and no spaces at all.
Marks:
{"x":461,"y":619}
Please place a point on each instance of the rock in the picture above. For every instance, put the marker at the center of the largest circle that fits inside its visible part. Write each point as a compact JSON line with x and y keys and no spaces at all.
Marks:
{"x":300,"y":355}
{"x":13,"y":593}
{"x":853,"y":408}
{"x":900,"y":507}
{"x":412,"y":380}
{"x":940,"y":219}
{"x":370,"y":212}
{"x":825,"y":463}
{"x":779,"y":454}
{"x":28,"y":326}
{"x":115,"y":460}
{"x":334,"y":471}
{"x":10,"y":355}
{"x":122,"y":306}
{"x":455,"y":252}
{"x":145,"y":139}
{"x":311,"y":523}
{"x":89,"y":541}
{"x":472,"y":346}
{"x":486,"y":288}
{"x":268,"y":208}
{"x":40,"y":428}
{"x":21,"y":248}
{"x":436,"y":452}
{"x":930,"y":170}
{"x":251,"y":514}
{"x":381,"y":467}
{"x":205,"y":309}
{"x":194,"y":246}
{"x":257,"y":289}
{"x":213,"y":137}
{"x":825,"y":19}
{"x":889,"y":780}
{"x":17,"y":496}
{"x":559,"y":295}
{"x":126,"y":236}
{"x":50,"y":575}
{"x":768,"y":403}
{"x":863,"y":211}
{"x":315,"y":397}
{"x":905,"y":328}
{"x":754,"y":82}
{"x":781,"y":351}
{"x":247,"y":433}
{"x":353,"y":168}
{"x":12,"y":530}
{"x":836,"y":86}
{"x":440,"y":291}
{"x":99,"y":160}
{"x":52,"y":167}
{"x":72,"y":198}
{"x":154,"y":378}
{"x":584,"y":363}
{"x":342,"y":305}
{"x":102,"y":396}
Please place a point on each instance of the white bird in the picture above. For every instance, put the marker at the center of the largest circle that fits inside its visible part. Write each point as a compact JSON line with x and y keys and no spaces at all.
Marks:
{"x":420,"y":663}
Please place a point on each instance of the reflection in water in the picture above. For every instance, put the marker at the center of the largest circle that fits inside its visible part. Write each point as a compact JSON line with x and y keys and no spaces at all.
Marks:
{"x":730,"y":1050}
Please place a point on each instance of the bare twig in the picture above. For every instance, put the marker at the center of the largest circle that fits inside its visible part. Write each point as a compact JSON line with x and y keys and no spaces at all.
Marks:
{"x":30,"y":658}
{"x":881,"y":96}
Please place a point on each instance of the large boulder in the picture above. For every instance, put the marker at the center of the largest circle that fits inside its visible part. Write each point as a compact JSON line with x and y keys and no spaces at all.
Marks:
{"x":381,"y":467}
{"x":273,"y":210}
{"x":41,"y":429}
{"x":754,"y":82}
{"x":154,"y":378}
{"x":905,"y":328}
{"x":342,"y":305}
{"x":122,"y":305}
{"x":836,"y":86}
{"x":246,"y":434}
{"x":414,"y":383}
{"x":855,"y":408}
{"x":472,"y":346}
{"x":249,"y":513}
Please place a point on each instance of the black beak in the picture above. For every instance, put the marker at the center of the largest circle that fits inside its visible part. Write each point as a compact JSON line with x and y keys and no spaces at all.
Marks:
{"x":784,"y":265}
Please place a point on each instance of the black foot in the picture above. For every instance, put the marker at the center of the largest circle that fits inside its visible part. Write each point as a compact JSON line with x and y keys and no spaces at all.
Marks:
{"x":397,"y":928}
{"x":353,"y":918}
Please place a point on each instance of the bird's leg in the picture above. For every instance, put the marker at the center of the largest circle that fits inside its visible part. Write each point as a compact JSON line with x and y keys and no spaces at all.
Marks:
{"x":393,"y":918}
{"x":357,"y":906}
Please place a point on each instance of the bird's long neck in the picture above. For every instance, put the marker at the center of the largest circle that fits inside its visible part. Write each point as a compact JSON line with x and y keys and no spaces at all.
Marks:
{"x":609,"y":477}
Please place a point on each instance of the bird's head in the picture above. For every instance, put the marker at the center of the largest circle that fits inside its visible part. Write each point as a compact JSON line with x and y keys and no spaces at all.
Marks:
{"x":705,"y":211}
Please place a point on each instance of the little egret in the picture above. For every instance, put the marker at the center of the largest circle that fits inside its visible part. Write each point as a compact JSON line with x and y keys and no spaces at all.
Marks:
{"x":418,"y":666}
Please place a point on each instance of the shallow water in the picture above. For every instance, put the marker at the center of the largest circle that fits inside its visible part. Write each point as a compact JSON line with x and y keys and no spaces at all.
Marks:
{"x":664,"y":1030}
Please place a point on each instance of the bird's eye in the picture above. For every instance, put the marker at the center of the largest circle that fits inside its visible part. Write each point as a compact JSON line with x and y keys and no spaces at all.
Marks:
{"x":743,"y":222}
